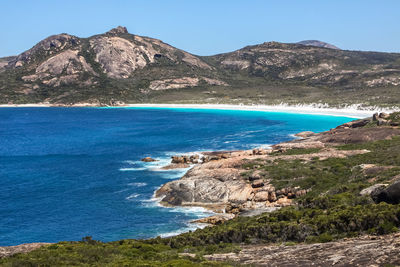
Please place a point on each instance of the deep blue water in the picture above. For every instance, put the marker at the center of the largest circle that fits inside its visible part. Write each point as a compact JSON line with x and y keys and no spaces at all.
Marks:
{"x":66,"y":173}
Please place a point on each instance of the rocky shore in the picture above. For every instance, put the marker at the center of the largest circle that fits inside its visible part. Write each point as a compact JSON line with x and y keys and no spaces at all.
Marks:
{"x":225,"y":183}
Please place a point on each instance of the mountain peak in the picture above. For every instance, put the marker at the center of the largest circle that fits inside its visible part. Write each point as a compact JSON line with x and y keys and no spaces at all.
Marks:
{"x":318,"y":44}
{"x":117,"y":30}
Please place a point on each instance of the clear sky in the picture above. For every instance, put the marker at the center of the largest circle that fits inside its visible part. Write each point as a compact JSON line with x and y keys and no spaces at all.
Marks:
{"x":207,"y":27}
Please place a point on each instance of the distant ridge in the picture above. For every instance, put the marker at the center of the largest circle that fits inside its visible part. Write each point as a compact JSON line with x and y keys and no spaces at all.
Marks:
{"x":318,"y":44}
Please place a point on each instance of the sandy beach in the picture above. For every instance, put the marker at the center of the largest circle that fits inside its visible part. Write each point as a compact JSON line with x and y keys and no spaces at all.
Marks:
{"x":352,"y":111}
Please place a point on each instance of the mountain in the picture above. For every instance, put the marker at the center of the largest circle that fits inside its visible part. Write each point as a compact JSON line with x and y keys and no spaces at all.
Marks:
{"x":318,"y":44}
{"x":119,"y":67}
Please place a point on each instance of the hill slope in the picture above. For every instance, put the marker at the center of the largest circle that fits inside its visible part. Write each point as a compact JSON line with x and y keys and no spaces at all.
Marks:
{"x":318,"y":44}
{"x":119,"y":66}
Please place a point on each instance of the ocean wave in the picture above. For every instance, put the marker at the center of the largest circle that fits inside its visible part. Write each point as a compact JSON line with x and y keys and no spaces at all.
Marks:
{"x":188,"y":227}
{"x":294,"y":136}
{"x":121,"y":191}
{"x":137,"y":184}
{"x":199,"y":212}
{"x":132,"y":196}
{"x":232,"y":141}
{"x":173,"y":174}
{"x":263,"y":146}
{"x":132,"y":169}
{"x":139,"y":165}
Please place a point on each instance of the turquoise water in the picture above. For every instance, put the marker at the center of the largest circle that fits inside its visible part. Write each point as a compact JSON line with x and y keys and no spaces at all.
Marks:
{"x":66,"y":173}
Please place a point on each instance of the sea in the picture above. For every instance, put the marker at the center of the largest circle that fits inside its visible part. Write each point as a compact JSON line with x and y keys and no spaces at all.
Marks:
{"x":67,"y":173}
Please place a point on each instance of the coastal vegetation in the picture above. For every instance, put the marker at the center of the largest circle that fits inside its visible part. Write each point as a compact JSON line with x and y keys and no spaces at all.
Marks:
{"x":335,"y":207}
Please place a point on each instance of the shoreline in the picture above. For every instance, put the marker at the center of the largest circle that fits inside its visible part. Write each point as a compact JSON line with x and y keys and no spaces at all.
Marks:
{"x":299,"y":109}
{"x":157,"y":200}
{"x":352,"y":111}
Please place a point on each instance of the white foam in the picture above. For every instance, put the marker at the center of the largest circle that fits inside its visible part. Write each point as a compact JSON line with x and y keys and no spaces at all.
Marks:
{"x":189,"y":227}
{"x":132,"y":196}
{"x":233,"y":141}
{"x":199,"y":212}
{"x":173,"y":174}
{"x":137,"y":184}
{"x":263,"y":146}
{"x":132,"y":169}
{"x":294,"y":136}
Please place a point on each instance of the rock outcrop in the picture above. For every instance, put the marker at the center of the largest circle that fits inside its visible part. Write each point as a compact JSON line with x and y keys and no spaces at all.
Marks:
{"x":221,"y":180}
{"x":23,"y":248}
{"x":63,"y":68}
{"x":183,"y":82}
{"x":390,"y":194}
{"x":148,"y":159}
{"x":215,"y":219}
{"x":49,"y":46}
{"x":318,"y":44}
{"x":359,"y":251}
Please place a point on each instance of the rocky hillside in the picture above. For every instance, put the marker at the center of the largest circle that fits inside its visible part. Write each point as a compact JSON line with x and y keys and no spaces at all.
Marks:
{"x":314,"y":66}
{"x":117,"y":67}
{"x":318,"y":44}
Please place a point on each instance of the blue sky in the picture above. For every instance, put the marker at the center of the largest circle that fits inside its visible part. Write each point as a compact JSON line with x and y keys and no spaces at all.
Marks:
{"x":207,"y":27}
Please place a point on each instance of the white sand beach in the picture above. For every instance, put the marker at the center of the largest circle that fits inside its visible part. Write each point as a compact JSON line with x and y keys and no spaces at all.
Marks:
{"x":352,"y":111}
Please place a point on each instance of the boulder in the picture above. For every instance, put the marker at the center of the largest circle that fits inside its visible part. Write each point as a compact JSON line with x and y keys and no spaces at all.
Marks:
{"x":185,"y":159}
{"x":239,"y":193}
{"x":216,"y":219}
{"x":300,"y":193}
{"x":118,"y":30}
{"x":178,"y":159}
{"x":283,"y":202}
{"x":254,"y":176}
{"x":257,"y":183}
{"x":233,"y":208}
{"x":173,"y":200}
{"x":260,"y":151}
{"x":148,"y":159}
{"x":354,"y":124}
{"x":272,"y":196}
{"x":176,"y":166}
{"x":369,"y":190}
{"x":384,"y":115}
{"x":261,"y":196}
{"x":390,"y":195}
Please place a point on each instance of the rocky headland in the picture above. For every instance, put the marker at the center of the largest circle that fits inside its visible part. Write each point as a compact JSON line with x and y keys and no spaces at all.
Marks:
{"x":225,"y":183}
